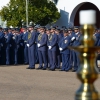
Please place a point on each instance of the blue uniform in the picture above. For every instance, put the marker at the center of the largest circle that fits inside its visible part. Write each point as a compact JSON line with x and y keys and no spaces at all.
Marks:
{"x":1,"y":45}
{"x":75,"y":53}
{"x":42,"y":50}
{"x":31,"y":48}
{"x":64,"y":43}
{"x":52,"y":51}
{"x":25,"y":39}
{"x":15,"y":45}
{"x":8,"y":38}
{"x":60,"y":36}
{"x":97,"y":39}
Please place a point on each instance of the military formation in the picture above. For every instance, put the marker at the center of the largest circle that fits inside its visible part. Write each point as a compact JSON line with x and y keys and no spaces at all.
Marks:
{"x":41,"y":45}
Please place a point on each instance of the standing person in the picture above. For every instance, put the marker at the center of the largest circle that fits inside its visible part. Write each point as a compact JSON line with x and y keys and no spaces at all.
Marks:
{"x":31,"y":47}
{"x":42,"y":48}
{"x":59,"y":35}
{"x":1,"y":44}
{"x":25,"y":48}
{"x":63,"y":47}
{"x":8,"y":37}
{"x":15,"y":45}
{"x":52,"y":46}
{"x":49,"y":50}
{"x":76,"y":42}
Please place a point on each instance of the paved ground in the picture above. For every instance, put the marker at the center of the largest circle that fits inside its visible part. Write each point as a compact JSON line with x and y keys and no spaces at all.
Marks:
{"x":19,"y":83}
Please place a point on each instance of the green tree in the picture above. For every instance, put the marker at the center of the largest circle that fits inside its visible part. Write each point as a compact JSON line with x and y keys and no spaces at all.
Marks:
{"x":40,"y":12}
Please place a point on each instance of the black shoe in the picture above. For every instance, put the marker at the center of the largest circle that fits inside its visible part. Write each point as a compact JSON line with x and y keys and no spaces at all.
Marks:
{"x":44,"y":68}
{"x":39,"y":68}
{"x":67,"y":70}
{"x":74,"y":70}
{"x":52,"y":69}
{"x":61,"y":70}
{"x":32,"y":68}
{"x":25,"y":63}
{"x":28,"y":68}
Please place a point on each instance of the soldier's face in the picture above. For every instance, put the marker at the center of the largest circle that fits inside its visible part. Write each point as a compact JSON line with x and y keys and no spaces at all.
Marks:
{"x":76,"y":30}
{"x":47,"y":32}
{"x":24,"y":30}
{"x":65,"y":34}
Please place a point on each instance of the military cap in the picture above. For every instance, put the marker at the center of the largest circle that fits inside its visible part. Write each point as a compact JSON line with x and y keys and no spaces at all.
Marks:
{"x":5,"y":29}
{"x":30,"y":26}
{"x":65,"y":31}
{"x":47,"y":28}
{"x":17,"y":29}
{"x":53,"y":27}
{"x":58,"y":28}
{"x":70,"y":29}
{"x":76,"y":27}
{"x":42,"y":27}
{"x":24,"y":27}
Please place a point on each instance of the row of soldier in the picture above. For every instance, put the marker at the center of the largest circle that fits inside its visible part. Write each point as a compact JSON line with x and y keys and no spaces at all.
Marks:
{"x":46,"y":46}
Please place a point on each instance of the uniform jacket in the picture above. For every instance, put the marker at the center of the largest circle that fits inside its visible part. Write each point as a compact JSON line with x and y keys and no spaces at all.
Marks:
{"x":64,"y":43}
{"x":43,"y":42}
{"x":53,"y":42}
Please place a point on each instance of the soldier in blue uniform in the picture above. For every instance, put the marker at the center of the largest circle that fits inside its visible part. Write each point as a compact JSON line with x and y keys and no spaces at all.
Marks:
{"x":52,"y":46}
{"x":63,"y":47}
{"x":96,"y":37}
{"x":25,"y":48}
{"x":8,"y":37}
{"x":76,"y":37}
{"x":57,"y":31}
{"x":1,"y":44}
{"x":42,"y":48}
{"x":31,"y":47}
{"x":49,"y":51}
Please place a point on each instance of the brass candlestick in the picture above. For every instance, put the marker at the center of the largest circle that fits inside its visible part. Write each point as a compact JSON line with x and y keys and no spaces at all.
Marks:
{"x":87,"y":72}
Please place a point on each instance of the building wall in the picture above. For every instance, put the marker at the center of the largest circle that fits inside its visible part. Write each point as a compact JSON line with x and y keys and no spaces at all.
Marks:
{"x":71,"y":7}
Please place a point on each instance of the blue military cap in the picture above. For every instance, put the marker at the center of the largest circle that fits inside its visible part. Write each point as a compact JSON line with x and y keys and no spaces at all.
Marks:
{"x":48,"y":28}
{"x":5,"y":29}
{"x":65,"y":31}
{"x":17,"y":29}
{"x":24,"y":27}
{"x":70,"y":29}
{"x":30,"y":26}
{"x":58,"y":28}
{"x":53,"y":27}
{"x":42,"y":27}
{"x":76,"y":27}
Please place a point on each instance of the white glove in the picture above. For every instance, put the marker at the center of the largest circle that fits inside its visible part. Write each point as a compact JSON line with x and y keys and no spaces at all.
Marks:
{"x":49,"y":47}
{"x":27,"y":45}
{"x":38,"y":45}
{"x":60,"y":49}
{"x":72,"y":38}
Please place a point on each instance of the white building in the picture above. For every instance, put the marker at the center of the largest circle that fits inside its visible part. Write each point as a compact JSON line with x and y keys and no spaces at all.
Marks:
{"x":69,"y":10}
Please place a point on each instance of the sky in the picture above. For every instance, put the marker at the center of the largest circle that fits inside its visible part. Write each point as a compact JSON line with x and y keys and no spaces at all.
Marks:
{"x":3,"y":3}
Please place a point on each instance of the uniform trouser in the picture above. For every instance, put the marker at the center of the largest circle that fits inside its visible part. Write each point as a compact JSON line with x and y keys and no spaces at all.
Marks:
{"x":16,"y":54}
{"x":36,"y":54}
{"x":31,"y":53}
{"x":49,"y":58}
{"x":7,"y":56}
{"x":42,"y":58}
{"x":76,"y":60}
{"x":26,"y":60}
{"x":65,"y":61}
{"x":58,"y":61}
{"x":53,"y":58}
